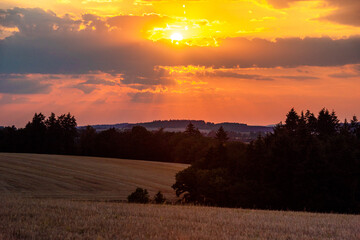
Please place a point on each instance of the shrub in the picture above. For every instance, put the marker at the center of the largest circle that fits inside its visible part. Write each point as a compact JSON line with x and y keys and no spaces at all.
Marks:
{"x":139,"y":196}
{"x":159,"y":198}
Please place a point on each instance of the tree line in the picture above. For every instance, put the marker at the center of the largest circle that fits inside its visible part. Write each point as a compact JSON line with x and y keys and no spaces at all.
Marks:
{"x":308,"y":163}
{"x":60,"y":135}
{"x":52,"y":135}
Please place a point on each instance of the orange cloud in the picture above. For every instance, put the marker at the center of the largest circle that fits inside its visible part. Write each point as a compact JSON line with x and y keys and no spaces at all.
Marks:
{"x":210,"y":95}
{"x":113,"y":61}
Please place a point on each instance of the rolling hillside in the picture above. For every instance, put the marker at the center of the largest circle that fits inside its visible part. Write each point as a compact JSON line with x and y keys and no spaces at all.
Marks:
{"x":39,"y":200}
{"x":87,"y":178}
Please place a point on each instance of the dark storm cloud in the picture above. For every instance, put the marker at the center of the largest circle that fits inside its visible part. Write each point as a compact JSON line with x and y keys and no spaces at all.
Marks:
{"x":21,"y":84}
{"x":347,"y":11}
{"x":47,"y":43}
{"x":50,"y":44}
{"x":290,"y":52}
{"x":36,"y":20}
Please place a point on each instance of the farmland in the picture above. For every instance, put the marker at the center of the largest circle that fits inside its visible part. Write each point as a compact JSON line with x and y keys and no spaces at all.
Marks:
{"x":68,"y":219}
{"x":71,"y":197}
{"x":83,"y":178}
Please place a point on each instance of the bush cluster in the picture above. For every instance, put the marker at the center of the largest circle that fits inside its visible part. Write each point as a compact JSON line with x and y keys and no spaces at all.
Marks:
{"x":141,"y":195}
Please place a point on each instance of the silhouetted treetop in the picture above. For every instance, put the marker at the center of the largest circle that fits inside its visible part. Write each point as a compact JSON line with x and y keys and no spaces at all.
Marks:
{"x":191,"y":130}
{"x":221,"y":135}
{"x":327,"y":123}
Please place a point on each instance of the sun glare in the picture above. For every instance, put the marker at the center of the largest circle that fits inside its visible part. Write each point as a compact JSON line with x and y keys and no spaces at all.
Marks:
{"x":176,"y":37}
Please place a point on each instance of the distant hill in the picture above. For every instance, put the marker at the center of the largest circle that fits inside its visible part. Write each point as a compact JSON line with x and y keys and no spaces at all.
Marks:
{"x":180,"y":125}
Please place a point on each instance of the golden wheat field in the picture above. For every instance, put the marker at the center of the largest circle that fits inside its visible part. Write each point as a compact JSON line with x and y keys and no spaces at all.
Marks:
{"x":67,"y":197}
{"x":22,"y":218}
{"x":86,"y":178}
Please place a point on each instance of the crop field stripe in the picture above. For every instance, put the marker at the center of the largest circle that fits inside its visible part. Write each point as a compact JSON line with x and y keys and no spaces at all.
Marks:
{"x":77,"y":176}
{"x":23,"y":218}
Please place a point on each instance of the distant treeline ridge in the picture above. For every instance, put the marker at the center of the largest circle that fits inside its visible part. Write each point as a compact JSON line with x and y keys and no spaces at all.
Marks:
{"x":60,"y":135}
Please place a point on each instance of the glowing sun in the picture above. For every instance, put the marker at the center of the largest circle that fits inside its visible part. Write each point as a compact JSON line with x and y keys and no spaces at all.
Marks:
{"x":176,"y":37}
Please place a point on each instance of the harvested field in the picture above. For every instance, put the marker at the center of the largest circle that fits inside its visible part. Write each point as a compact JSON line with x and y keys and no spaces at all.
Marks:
{"x":86,"y":178}
{"x":68,"y":219}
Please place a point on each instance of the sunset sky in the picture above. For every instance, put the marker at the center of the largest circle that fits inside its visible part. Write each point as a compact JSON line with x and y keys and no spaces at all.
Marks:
{"x":112,"y":61}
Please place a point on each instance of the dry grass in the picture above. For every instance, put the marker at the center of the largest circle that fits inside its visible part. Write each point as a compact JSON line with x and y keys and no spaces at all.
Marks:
{"x":66,"y":219}
{"x":30,"y":208}
{"x":87,"y":178}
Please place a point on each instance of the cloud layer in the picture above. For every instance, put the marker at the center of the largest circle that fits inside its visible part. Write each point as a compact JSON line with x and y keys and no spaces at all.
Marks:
{"x":50,"y":44}
{"x":19,"y":84}
{"x":347,"y":11}
{"x":105,"y":69}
